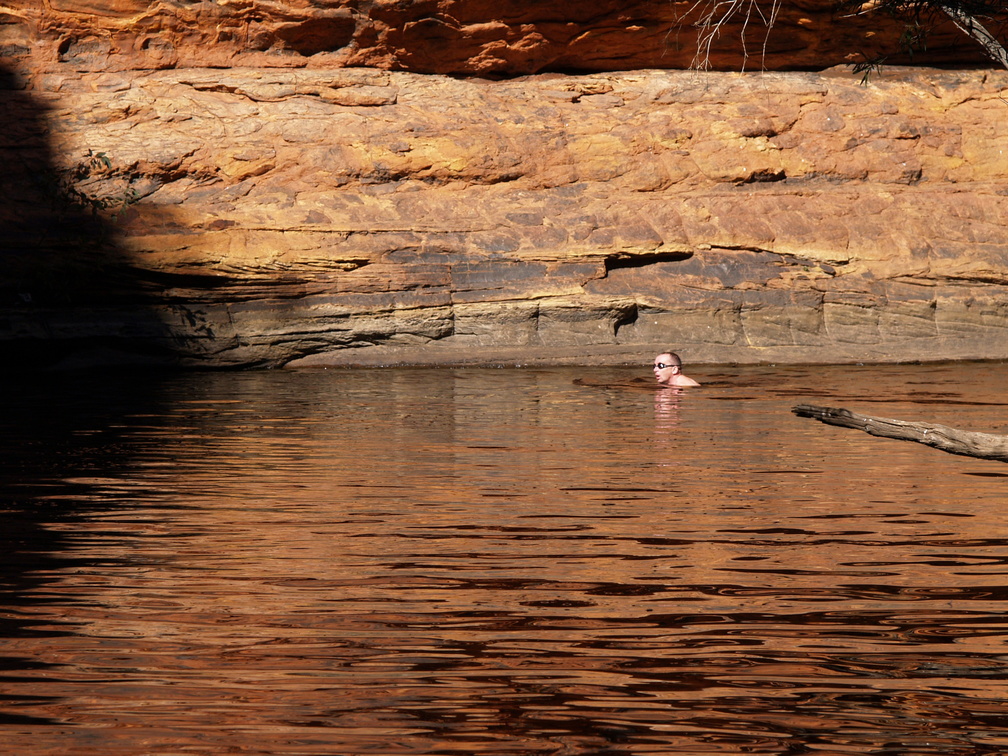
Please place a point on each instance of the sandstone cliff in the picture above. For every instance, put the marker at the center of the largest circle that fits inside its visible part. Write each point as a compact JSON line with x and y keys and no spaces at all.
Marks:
{"x":320,"y":214}
{"x":466,"y":37}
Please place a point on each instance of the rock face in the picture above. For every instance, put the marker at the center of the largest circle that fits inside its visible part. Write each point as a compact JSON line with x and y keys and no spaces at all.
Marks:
{"x":315,"y":217}
{"x":468,"y":37}
{"x":310,"y":213}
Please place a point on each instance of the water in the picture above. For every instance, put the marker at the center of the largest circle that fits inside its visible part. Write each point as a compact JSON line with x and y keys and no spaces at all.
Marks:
{"x":500,"y":562}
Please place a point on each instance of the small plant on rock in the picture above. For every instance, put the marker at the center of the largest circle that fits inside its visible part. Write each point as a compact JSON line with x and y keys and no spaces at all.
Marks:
{"x":93,"y":184}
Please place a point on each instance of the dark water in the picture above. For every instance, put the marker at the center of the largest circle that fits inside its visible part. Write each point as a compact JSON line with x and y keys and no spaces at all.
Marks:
{"x":500,"y":562}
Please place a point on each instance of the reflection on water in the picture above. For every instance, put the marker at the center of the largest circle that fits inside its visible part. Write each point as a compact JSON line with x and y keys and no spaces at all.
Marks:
{"x":500,"y":562}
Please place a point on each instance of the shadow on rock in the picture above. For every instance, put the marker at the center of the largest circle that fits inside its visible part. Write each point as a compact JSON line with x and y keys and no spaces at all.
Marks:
{"x":69,"y":298}
{"x":68,"y":294}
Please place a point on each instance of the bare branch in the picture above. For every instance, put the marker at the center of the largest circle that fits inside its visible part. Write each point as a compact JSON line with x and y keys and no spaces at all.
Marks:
{"x":714,"y":14}
{"x":924,"y":14}
{"x":920,"y":15}
{"x":968,"y":25}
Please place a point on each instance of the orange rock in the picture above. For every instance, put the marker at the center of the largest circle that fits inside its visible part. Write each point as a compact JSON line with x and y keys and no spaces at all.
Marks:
{"x":469,"y":37}
{"x":246,"y":217}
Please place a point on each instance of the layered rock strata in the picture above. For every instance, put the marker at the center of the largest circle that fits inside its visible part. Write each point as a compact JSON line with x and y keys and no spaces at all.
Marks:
{"x":464,"y":37}
{"x":254,"y":217}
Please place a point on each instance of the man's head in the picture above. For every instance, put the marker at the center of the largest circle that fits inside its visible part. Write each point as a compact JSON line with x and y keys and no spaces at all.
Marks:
{"x":666,"y":366}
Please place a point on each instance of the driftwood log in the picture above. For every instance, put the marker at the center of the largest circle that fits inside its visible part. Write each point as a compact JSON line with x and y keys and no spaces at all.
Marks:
{"x":951,"y":440}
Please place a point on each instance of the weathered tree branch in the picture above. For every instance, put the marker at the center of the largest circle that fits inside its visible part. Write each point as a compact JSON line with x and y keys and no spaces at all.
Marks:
{"x":962,"y":13}
{"x":968,"y":25}
{"x":951,"y":440}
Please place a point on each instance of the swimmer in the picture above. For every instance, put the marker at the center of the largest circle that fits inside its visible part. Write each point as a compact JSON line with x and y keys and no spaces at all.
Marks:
{"x":668,"y":370}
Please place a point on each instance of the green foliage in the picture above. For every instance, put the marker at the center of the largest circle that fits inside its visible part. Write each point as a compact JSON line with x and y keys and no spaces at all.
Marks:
{"x":913,"y":40}
{"x":868,"y":67}
{"x":81,"y":185}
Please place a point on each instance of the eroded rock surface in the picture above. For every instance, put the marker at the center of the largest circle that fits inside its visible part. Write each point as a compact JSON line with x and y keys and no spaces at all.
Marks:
{"x":271,"y":217}
{"x":469,"y":37}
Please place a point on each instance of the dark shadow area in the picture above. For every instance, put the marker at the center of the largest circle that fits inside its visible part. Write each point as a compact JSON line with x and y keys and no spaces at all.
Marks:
{"x":69,"y":296}
{"x":59,"y":433}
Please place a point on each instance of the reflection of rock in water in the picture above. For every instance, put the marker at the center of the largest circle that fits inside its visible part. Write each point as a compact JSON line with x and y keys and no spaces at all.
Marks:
{"x":635,"y":383}
{"x":274,"y":562}
{"x":60,"y":439}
